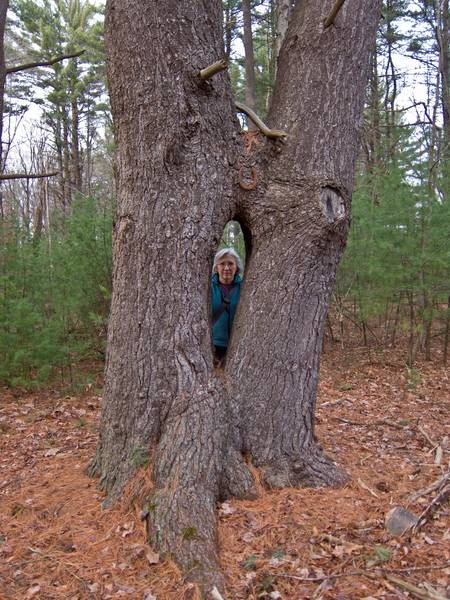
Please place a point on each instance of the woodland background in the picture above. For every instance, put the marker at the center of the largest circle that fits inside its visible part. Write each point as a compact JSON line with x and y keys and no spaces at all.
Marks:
{"x":55,"y":232}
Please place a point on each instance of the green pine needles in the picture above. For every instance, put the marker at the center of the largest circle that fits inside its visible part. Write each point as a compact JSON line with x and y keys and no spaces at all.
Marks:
{"x":54,"y":294}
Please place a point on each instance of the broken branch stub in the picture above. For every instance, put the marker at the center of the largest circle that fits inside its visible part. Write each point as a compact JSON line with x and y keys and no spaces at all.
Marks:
{"x":216,"y":67}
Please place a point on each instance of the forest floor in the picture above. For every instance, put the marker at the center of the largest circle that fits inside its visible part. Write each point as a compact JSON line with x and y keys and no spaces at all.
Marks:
{"x":388,"y":427}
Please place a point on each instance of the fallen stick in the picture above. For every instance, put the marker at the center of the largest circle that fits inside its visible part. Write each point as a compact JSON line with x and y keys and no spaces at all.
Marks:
{"x":367,"y":488}
{"x":321,"y":586}
{"x":419,"y":592}
{"x":442,"y":496}
{"x":373,"y":571}
{"x":432,"y":443}
{"x":431,"y":488}
{"x":332,"y":402}
{"x":371,"y":424}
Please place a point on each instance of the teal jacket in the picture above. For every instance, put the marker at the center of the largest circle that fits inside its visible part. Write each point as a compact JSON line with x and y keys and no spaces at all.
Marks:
{"x":221,"y":329}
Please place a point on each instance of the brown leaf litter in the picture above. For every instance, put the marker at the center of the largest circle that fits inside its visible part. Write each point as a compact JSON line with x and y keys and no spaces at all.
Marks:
{"x":56,"y":542}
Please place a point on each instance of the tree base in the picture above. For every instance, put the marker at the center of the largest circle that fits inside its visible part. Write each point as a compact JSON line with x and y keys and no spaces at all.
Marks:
{"x":312,"y":469}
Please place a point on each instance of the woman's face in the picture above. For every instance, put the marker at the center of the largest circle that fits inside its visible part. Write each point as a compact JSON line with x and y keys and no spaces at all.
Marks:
{"x":226,"y":269}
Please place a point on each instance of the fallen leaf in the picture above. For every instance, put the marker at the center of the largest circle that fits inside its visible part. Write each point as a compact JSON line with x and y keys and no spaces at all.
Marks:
{"x":52,"y":452}
{"x":338,"y":551}
{"x":226,"y":509}
{"x":152,"y":557}
{"x":32,"y":591}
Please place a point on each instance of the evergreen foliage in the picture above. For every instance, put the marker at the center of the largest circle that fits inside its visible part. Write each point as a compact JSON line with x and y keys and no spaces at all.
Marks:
{"x":55,"y":254}
{"x":54,"y":293}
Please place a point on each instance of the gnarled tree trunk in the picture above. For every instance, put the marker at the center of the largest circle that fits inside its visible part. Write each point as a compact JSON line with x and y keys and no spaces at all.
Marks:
{"x":178,"y":161}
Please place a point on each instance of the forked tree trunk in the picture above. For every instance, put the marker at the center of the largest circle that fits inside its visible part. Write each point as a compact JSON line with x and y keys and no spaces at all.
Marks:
{"x":178,"y":163}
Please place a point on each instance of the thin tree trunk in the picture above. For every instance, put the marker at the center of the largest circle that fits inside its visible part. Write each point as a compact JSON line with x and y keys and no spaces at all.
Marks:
{"x":75,"y":143}
{"x":390,"y":77}
{"x":330,"y":330}
{"x":442,"y":33}
{"x":3,"y":11}
{"x":67,"y":191}
{"x":283,"y":9}
{"x":89,"y":143}
{"x":250,"y":79}
{"x":447,"y":334}
{"x":229,"y":25}
{"x":397,"y":319}
{"x":414,"y":337}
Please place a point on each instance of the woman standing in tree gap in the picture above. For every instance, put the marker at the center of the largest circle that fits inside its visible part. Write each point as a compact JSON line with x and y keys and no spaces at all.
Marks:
{"x":225,"y":291}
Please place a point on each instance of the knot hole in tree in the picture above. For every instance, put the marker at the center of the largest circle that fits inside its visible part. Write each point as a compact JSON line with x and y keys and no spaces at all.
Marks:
{"x":332,"y":204}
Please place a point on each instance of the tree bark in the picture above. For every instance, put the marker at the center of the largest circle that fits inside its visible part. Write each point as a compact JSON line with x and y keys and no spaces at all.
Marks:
{"x":298,"y":219}
{"x":178,"y":162}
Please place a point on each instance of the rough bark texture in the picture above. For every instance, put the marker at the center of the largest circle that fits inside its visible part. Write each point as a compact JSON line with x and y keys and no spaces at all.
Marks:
{"x":178,"y":163}
{"x":298,"y":218}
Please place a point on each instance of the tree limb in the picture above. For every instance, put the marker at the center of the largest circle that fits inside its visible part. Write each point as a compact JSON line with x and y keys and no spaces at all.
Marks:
{"x":45,"y":63}
{"x":4,"y":176}
{"x":334,"y":11}
{"x":270,"y":133}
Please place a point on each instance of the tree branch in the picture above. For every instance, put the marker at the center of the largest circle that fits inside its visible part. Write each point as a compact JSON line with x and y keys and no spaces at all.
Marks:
{"x":270,"y":133}
{"x":334,"y":11}
{"x":216,"y":67}
{"x":4,"y":176}
{"x":45,"y":63}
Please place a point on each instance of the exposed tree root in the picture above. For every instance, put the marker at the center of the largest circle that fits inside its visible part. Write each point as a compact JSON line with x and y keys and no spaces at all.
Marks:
{"x":312,"y":469}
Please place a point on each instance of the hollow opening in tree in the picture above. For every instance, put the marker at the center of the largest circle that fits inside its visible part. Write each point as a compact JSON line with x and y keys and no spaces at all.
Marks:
{"x":228,"y":271}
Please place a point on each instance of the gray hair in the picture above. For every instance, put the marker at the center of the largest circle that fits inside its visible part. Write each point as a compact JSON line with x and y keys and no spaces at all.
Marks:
{"x":219,"y":255}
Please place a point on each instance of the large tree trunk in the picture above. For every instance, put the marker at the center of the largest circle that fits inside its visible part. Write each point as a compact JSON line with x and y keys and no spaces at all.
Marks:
{"x":178,"y":163}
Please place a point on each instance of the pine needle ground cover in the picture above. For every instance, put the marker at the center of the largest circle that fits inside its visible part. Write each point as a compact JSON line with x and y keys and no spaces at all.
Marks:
{"x":382,"y":424}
